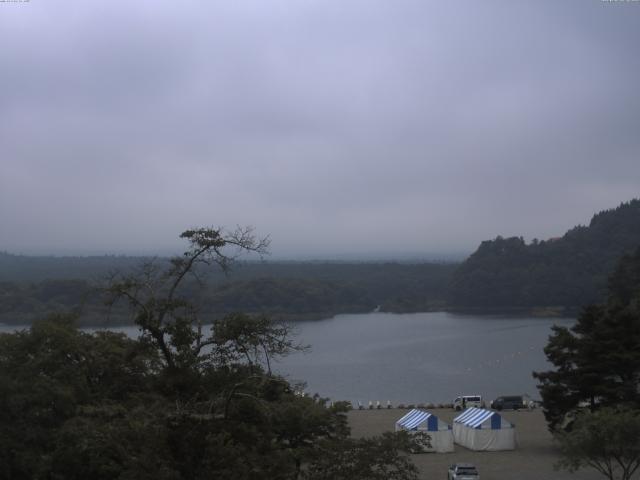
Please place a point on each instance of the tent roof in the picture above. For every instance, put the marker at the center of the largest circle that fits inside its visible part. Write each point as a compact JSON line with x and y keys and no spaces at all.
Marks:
{"x":475,"y":417}
{"x":414,"y":418}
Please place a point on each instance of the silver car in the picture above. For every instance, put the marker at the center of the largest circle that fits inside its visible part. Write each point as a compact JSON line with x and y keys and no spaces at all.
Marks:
{"x":463,"y":471}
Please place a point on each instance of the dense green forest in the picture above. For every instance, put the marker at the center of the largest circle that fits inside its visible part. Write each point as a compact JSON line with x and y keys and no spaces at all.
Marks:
{"x":554,"y":276}
{"x":565,"y":272}
{"x":291,"y":290}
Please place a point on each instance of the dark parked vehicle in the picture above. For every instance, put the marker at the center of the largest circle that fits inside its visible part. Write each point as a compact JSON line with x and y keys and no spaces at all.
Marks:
{"x":513,"y":402}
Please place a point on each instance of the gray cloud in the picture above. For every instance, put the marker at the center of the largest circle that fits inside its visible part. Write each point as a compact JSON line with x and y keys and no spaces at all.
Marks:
{"x":336,"y":127}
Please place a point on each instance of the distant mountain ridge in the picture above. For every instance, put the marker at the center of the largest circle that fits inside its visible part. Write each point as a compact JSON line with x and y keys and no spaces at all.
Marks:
{"x":557,"y":276}
{"x":566,"y":272}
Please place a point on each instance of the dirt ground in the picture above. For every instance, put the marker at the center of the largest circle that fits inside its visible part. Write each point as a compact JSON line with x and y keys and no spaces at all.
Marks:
{"x":533,"y":458}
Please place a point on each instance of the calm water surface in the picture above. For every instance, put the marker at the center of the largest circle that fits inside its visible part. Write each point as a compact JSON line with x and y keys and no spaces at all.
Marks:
{"x":413,"y":358}
{"x":423,"y":357}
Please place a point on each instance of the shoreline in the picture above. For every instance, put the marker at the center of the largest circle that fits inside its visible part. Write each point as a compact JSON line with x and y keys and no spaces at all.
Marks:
{"x":117,"y":320}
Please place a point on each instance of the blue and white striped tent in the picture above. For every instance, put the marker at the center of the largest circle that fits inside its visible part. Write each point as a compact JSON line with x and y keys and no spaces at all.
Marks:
{"x":480,"y":429}
{"x":419,"y":421}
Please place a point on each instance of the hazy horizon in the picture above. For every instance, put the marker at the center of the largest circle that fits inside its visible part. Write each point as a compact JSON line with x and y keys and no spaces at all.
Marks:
{"x":343,"y":130}
{"x":337,"y":257}
{"x":363,"y":256}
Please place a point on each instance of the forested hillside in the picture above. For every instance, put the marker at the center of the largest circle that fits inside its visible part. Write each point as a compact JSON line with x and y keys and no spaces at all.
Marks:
{"x":566,"y":272}
{"x":558,"y":275}
{"x":292,"y":290}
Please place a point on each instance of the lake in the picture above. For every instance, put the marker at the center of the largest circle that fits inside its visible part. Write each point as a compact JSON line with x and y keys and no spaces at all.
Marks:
{"x":422,"y":357}
{"x":416,"y":358}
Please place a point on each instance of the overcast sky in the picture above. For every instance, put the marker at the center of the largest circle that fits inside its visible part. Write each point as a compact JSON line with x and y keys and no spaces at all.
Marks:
{"x":337,"y":127}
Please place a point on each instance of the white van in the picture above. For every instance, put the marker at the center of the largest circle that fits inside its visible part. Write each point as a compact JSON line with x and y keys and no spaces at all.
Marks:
{"x":466,"y":401}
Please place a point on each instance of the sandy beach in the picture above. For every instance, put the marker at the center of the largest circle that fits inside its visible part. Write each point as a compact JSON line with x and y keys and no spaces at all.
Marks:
{"x":533,"y":459}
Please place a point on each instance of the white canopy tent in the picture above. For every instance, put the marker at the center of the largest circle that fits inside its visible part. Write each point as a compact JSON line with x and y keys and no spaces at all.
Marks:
{"x":480,"y":429}
{"x":419,"y":421}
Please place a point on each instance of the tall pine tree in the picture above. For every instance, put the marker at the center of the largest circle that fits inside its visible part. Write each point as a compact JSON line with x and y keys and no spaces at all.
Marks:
{"x":597,"y":361}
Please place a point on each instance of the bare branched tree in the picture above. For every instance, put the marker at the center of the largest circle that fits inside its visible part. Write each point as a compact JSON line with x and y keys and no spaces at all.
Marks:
{"x":154,"y":292}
